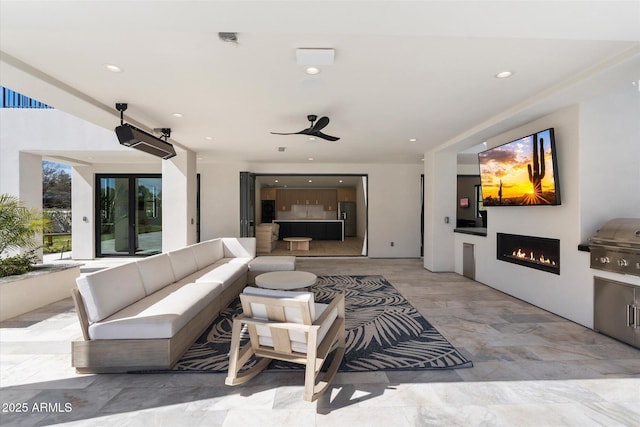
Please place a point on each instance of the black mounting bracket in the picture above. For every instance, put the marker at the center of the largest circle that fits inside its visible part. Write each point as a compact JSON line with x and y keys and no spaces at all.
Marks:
{"x":121,"y":106}
{"x":166,"y":132}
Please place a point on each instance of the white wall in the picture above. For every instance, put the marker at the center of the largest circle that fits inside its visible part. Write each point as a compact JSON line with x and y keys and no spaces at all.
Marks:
{"x":220,"y":199}
{"x":579,"y":133}
{"x":609,"y":159}
{"x":440,"y":189}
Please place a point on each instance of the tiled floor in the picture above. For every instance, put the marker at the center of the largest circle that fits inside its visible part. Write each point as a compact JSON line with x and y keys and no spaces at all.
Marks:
{"x":531,"y":368}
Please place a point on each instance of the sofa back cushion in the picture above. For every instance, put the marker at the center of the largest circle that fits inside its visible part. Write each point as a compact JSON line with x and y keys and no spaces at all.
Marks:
{"x":239,"y":247}
{"x":183,"y":262}
{"x":208,"y":252}
{"x":109,"y":291}
{"x":156,"y":272}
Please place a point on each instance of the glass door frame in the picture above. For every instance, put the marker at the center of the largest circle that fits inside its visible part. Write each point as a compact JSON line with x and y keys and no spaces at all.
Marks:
{"x":132,"y":205}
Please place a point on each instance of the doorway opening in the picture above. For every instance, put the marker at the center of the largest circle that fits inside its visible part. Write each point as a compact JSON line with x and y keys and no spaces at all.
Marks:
{"x":332,"y":209}
{"x":128,"y":214}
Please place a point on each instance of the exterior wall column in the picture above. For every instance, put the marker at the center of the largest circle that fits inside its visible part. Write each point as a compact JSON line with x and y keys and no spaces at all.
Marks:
{"x":440,"y":172}
{"x":83,"y":237}
{"x":179,"y":200}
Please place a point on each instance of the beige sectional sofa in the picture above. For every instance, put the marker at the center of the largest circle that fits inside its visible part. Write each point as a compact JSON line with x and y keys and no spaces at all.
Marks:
{"x":145,"y":314}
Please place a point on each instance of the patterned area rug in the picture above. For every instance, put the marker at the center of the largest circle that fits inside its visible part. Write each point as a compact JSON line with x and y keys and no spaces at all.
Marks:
{"x":384,"y":332}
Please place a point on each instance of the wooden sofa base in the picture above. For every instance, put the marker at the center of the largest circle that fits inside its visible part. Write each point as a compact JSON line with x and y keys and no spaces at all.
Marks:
{"x":113,"y":356}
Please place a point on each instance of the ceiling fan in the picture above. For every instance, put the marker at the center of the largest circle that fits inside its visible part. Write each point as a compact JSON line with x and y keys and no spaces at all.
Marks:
{"x":314,"y":129}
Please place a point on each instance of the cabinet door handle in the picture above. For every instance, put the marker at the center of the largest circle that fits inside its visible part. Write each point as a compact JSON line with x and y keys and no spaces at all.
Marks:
{"x":631,"y":314}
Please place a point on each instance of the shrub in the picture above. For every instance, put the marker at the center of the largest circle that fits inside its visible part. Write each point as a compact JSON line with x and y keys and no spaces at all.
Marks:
{"x":18,"y":228}
{"x":17,"y":264}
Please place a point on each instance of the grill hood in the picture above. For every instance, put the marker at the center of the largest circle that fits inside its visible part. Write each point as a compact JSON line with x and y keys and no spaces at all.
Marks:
{"x":621,"y":232}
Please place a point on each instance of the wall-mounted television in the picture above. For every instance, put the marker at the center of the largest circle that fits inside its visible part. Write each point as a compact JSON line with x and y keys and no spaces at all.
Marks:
{"x":521,"y":172}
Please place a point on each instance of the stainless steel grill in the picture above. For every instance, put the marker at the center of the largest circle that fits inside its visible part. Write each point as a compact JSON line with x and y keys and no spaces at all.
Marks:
{"x":616,"y":246}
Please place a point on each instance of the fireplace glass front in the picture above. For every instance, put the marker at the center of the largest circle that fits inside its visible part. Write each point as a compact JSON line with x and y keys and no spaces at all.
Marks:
{"x":534,"y":252}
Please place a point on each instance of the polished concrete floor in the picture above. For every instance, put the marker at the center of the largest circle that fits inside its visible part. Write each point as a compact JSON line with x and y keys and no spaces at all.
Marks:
{"x":531,"y":368}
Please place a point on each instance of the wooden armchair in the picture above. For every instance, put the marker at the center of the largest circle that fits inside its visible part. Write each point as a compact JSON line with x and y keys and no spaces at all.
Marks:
{"x":288,"y":326}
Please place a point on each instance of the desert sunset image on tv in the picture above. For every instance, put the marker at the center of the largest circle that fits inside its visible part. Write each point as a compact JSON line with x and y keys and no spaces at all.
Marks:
{"x":521,"y":172}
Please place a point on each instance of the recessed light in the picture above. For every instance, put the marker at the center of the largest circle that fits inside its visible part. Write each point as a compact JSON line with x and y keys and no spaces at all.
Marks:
{"x":412,"y":139}
{"x":504,"y":75}
{"x":113,"y":68}
{"x":310,"y":180}
{"x":312,"y":70}
{"x":208,"y":138}
{"x":339,"y":180}
{"x":177,"y":115}
{"x":310,"y":159}
{"x":275,"y":180}
{"x":311,"y":138}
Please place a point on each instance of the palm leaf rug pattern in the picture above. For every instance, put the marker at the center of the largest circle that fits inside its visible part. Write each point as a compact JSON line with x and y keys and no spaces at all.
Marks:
{"x":384,"y":332}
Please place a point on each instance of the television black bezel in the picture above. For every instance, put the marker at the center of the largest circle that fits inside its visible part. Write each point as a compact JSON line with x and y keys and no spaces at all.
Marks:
{"x":554,"y":163}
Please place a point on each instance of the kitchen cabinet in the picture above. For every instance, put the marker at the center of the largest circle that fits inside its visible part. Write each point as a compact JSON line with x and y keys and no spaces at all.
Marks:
{"x":325,"y":197}
{"x":268,"y":194}
{"x":328,"y":199}
{"x":346,"y":194}
{"x":283,"y":200}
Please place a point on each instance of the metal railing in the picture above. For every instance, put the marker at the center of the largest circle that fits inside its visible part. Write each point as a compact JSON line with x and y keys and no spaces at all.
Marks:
{"x":12,"y":99}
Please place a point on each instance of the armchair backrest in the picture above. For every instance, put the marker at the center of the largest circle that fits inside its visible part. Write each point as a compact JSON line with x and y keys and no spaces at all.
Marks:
{"x":282,"y":307}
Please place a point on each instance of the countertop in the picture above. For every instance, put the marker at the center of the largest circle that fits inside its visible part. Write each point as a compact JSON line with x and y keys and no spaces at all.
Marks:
{"x":476,"y":231}
{"x":308,"y":220}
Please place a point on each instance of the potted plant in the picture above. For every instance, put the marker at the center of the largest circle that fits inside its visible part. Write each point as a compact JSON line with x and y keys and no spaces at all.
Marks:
{"x":21,"y":289}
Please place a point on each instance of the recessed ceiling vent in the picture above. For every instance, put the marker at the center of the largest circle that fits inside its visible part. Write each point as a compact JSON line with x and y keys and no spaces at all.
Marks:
{"x":228,"y":37}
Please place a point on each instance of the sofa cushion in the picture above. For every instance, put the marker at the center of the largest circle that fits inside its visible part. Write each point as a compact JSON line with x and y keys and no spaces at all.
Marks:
{"x":225,"y":274}
{"x":208,"y":252}
{"x":239,"y":247}
{"x":108,"y":291}
{"x":156,"y":272}
{"x":183,"y":262}
{"x":160,"y":315}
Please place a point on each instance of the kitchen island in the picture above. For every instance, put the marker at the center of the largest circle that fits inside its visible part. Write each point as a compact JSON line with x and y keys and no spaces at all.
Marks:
{"x":317,"y":229}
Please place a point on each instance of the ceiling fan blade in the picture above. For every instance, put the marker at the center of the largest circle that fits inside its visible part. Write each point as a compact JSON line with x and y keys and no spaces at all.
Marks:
{"x":327,"y":137}
{"x":320,"y":124}
{"x":302,"y":132}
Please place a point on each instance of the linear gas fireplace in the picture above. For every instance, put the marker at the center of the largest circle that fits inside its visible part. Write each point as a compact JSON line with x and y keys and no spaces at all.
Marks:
{"x":534,"y":252}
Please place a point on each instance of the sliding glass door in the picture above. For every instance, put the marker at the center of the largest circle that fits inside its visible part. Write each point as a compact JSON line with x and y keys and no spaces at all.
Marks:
{"x":128,"y":214}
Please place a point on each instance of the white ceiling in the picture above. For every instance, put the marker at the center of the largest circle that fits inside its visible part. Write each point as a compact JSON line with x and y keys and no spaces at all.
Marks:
{"x":416,"y":69}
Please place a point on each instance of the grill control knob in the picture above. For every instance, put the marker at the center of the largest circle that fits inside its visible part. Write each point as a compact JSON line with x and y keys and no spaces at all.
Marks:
{"x":605,"y":260}
{"x":623,"y":262}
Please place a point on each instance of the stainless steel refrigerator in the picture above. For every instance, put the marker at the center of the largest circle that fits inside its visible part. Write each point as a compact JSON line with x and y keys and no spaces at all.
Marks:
{"x":347,"y":212}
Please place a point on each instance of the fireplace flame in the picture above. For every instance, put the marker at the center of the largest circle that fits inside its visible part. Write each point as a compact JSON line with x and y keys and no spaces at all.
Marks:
{"x":531,"y":257}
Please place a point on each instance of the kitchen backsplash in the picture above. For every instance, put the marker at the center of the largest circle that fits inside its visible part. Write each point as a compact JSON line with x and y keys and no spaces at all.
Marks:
{"x":306,"y":212}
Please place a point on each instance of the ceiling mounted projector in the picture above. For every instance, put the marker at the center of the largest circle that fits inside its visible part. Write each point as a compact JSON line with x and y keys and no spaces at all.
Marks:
{"x":133,"y":137}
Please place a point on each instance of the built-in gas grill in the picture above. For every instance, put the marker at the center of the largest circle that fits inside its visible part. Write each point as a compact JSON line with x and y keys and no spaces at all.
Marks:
{"x":616,"y":305}
{"x":616,"y":246}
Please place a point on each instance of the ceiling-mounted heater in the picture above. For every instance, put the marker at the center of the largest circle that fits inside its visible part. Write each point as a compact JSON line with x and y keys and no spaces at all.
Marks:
{"x":133,"y":137}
